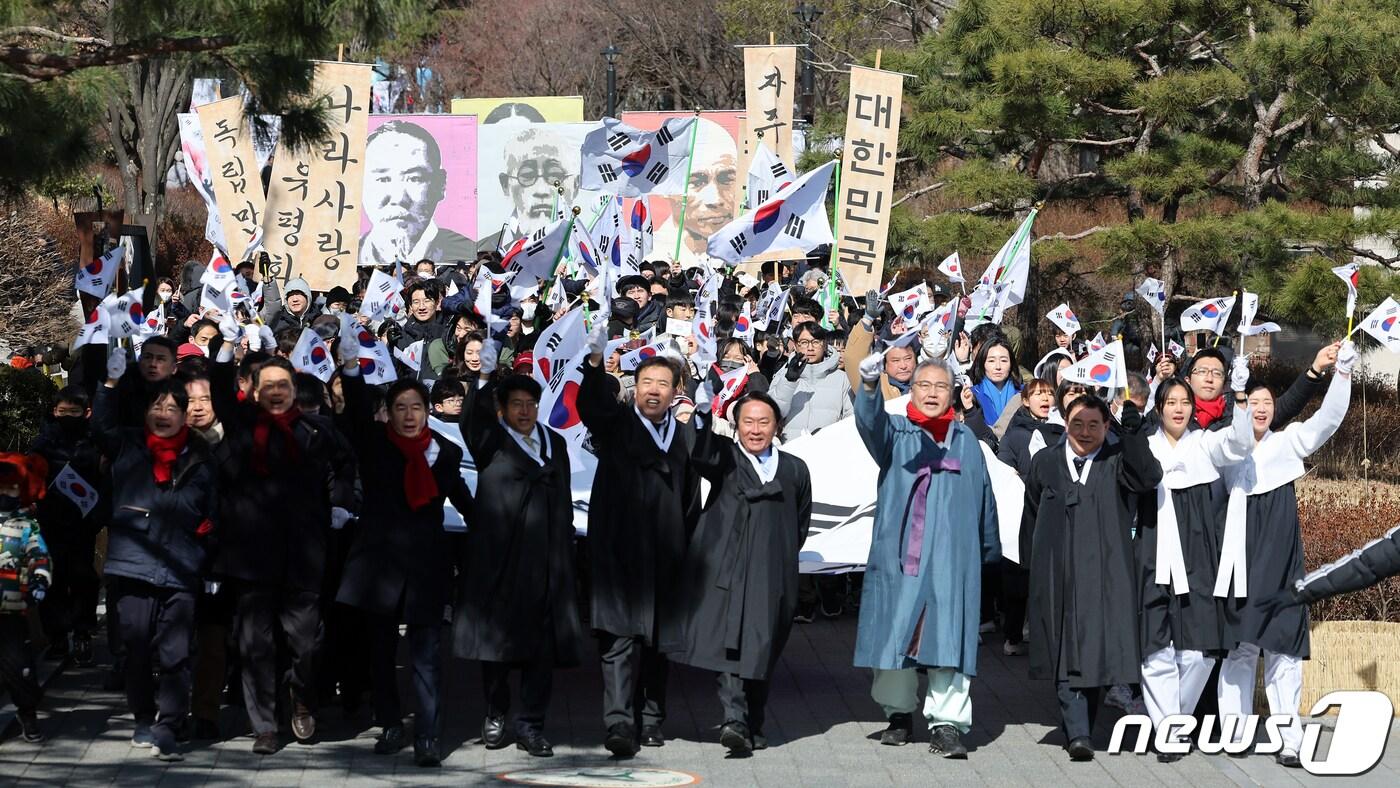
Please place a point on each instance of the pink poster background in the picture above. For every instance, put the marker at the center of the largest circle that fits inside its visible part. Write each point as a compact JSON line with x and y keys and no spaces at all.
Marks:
{"x":456,"y":139}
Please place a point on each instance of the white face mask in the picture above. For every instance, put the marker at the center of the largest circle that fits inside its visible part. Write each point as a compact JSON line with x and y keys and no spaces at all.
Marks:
{"x":337,"y":309}
{"x":528,"y":310}
{"x":164,"y":295}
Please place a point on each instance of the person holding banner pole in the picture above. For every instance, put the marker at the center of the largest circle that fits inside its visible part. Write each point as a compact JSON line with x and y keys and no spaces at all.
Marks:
{"x":935,"y":528}
{"x":645,"y":502}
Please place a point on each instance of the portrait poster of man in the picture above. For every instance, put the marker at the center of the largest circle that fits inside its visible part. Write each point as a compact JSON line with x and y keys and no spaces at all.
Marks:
{"x":519,"y":164}
{"x":521,"y":109}
{"x":420,"y":200}
{"x":716,"y":185}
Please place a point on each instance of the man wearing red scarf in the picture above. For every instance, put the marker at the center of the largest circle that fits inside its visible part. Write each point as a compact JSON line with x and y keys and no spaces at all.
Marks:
{"x":162,"y":501}
{"x":935,"y":526}
{"x":286,"y":480}
{"x":1210,"y":369}
{"x":401,"y":561}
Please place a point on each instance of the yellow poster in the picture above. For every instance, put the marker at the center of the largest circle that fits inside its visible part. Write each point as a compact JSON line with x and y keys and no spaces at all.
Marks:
{"x":521,"y":109}
{"x":312,"y":225}
{"x":867,"y":176}
{"x":228,"y":148}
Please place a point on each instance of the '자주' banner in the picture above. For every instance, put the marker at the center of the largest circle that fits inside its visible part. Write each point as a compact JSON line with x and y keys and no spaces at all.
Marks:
{"x":770,"y":82}
{"x":233,"y":170}
{"x":867,"y":176}
{"x":312,"y":223}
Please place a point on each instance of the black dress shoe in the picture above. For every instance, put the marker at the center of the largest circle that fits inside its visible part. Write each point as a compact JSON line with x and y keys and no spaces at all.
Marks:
{"x":493,"y":732}
{"x":1080,"y":748}
{"x":900,"y":731}
{"x":651,"y":736}
{"x":1289,"y":760}
{"x":735,"y":738}
{"x":29,"y":727}
{"x":948,"y":743}
{"x":425,"y":753}
{"x":760,"y":742}
{"x":390,"y":740}
{"x":621,"y":740}
{"x":536,"y":744}
{"x":1169,"y":757}
{"x":265,"y":744}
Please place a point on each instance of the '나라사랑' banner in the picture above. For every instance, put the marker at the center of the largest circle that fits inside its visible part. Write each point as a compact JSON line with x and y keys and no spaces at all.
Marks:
{"x":312,"y":222}
{"x":867,"y":176}
{"x":233,"y":170}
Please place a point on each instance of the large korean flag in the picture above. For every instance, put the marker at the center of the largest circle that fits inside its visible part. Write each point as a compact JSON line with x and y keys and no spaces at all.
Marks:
{"x":620,"y":159}
{"x":794,"y":219}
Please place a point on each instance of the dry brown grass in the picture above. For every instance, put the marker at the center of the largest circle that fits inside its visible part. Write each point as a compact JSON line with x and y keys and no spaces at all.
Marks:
{"x":1337,"y":517}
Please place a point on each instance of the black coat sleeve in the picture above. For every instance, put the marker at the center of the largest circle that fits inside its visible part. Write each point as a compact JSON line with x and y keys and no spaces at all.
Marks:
{"x":976,"y":422}
{"x":1363,"y":568}
{"x":1297,"y":397}
{"x":223,"y":389}
{"x":1139,"y":472}
{"x":1030,"y":510}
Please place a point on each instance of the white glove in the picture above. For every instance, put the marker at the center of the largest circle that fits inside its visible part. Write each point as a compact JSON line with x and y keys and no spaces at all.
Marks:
{"x":1239,"y":374}
{"x":254,"y":340}
{"x":490,"y":356}
{"x":269,"y":339}
{"x":598,"y":338}
{"x":116,"y":363}
{"x":348,"y":352}
{"x":339,"y":517}
{"x":871,"y":367}
{"x":1346,"y":358}
{"x":211,"y":587}
{"x":228,"y":329}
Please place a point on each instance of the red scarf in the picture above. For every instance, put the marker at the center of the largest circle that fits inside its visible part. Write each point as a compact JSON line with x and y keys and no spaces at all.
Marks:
{"x":419,"y":486}
{"x":262,"y":431}
{"x":1206,"y":412}
{"x":937,"y":426}
{"x":164,"y":452}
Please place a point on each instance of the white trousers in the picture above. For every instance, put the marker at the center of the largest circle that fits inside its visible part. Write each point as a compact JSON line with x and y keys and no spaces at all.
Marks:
{"x":1283,"y":684}
{"x":1172,"y":681}
{"x":948,"y":700}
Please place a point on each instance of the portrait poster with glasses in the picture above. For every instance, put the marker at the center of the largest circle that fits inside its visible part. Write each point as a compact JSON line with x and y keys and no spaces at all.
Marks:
{"x":420,"y":199}
{"x":716,"y":186}
{"x":518,"y":164}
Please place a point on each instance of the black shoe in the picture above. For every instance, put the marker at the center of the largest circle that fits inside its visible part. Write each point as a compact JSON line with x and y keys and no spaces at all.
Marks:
{"x":265,"y":743}
{"x":390,"y":740}
{"x":621,"y":740}
{"x":760,"y":742}
{"x":82,"y":650}
{"x":29,"y":727}
{"x":831,"y":608}
{"x":493,"y":732}
{"x":425,"y":753}
{"x":735,"y":738}
{"x":1169,"y":757}
{"x":206,"y":730}
{"x":1080,"y":748}
{"x":1289,"y":760}
{"x":651,"y":736}
{"x":166,"y":748}
{"x":900,"y":731}
{"x":806,"y":613}
{"x":536,"y":744}
{"x":948,"y":743}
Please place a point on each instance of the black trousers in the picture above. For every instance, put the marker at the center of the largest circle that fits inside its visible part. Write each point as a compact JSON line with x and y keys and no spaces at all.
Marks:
{"x":213,"y":614}
{"x":17,"y":672}
{"x":157,"y":628}
{"x":626,"y":696}
{"x":744,"y":700}
{"x":1014,"y":591}
{"x":536,"y":685}
{"x":261,"y":611}
{"x":70,"y":607}
{"x":1078,"y":709}
{"x":425,"y":655}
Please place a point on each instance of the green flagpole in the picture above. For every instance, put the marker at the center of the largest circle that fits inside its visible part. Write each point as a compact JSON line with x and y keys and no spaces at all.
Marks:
{"x":836,"y":216}
{"x":685,"y":196}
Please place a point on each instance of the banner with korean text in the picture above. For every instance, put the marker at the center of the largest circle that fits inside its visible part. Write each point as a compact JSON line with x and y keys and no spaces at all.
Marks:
{"x":312,"y":222}
{"x":770,"y":81}
{"x":233,"y":170}
{"x":867,"y":176}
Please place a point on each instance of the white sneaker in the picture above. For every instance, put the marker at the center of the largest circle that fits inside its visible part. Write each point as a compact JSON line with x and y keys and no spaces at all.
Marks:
{"x":987,"y":627}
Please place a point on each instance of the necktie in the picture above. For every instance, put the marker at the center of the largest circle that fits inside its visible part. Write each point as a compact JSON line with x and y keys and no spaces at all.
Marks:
{"x":530,"y":441}
{"x":1079,"y":468}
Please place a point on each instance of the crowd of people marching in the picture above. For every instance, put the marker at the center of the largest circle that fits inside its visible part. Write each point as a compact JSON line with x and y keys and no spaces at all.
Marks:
{"x":258,"y":518}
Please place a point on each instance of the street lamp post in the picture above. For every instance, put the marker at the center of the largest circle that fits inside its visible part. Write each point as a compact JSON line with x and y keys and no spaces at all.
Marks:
{"x":610,"y":54}
{"x":808,"y":15}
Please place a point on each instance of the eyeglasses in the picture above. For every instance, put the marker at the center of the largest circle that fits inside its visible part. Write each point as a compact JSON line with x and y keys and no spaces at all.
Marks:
{"x":529,"y":173}
{"x":925,"y":385}
{"x":1209,"y":374}
{"x":809,"y":343}
{"x":453,"y":400}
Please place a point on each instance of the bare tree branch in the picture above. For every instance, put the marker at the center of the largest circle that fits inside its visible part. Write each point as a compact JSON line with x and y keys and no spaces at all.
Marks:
{"x":40,"y":66}
{"x":42,"y":32}
{"x":932,"y":187}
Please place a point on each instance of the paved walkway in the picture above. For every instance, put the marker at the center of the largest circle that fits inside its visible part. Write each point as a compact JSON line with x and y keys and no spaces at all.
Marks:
{"x":822,"y":729}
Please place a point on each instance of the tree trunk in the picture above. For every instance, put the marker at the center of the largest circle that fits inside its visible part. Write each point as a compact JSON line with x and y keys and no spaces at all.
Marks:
{"x":145,"y":132}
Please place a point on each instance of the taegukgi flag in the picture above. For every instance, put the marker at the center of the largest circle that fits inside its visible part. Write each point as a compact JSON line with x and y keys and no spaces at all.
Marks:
{"x":1210,"y":315}
{"x":619,"y":159}
{"x":794,"y":219}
